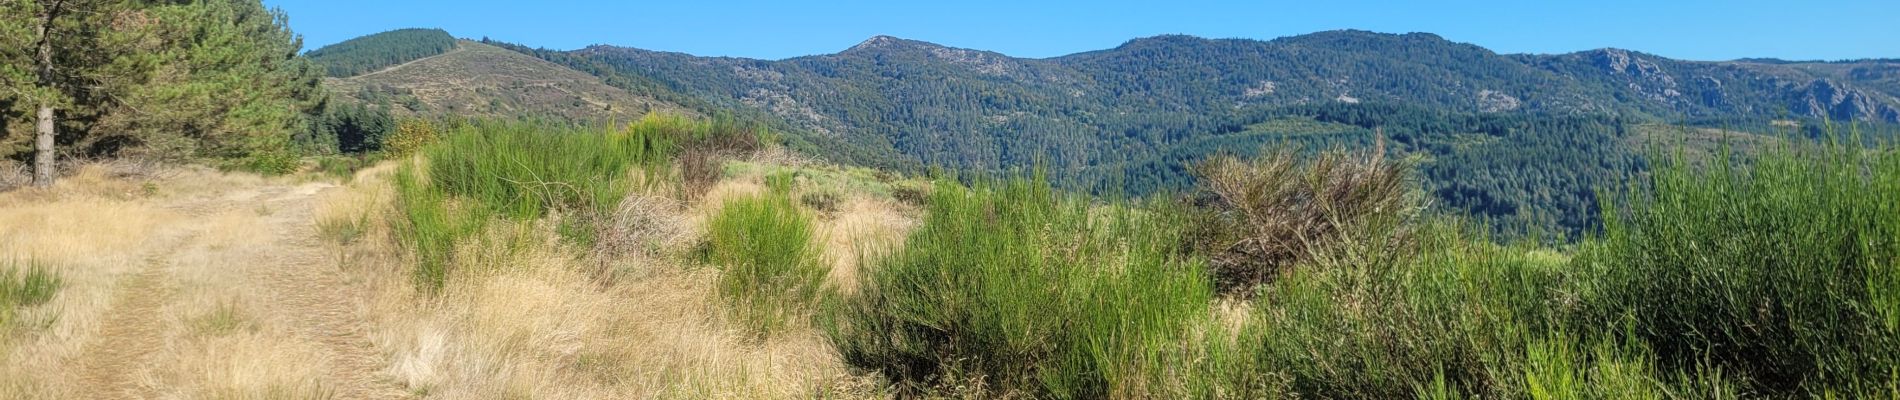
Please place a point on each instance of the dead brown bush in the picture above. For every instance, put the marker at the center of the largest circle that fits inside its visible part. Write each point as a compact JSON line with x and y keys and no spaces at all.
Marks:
{"x":1261,"y":216}
{"x":703,"y":155}
{"x":699,"y":170}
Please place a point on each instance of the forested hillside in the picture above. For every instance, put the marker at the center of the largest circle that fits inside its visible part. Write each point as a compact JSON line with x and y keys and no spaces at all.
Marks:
{"x":973,"y":109}
{"x":370,"y":53}
{"x":1521,"y":140}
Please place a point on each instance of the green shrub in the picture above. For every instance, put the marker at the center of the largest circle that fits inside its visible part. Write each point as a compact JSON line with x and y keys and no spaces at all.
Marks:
{"x":348,"y":127}
{"x":1028,"y":292}
{"x":705,"y":146}
{"x":770,"y":269}
{"x":1782,"y":271}
{"x":525,"y":171}
{"x":1365,"y":324}
{"x":482,"y":170}
{"x":521,"y":171}
{"x":344,"y":166}
{"x":263,"y":156}
{"x":29,"y":285}
{"x":410,"y":136}
{"x":911,"y":193}
{"x":429,"y":227}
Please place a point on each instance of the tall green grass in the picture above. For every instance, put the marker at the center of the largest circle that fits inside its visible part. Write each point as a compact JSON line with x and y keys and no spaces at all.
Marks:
{"x":1771,"y":277}
{"x":25,"y":284}
{"x":1027,"y":291}
{"x":478,"y":171}
{"x":1780,"y":271}
{"x":769,"y":268}
{"x":1456,"y":317}
{"x":526,"y":171}
{"x":429,"y":225}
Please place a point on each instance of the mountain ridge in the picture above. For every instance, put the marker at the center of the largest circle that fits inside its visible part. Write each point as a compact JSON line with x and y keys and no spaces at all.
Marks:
{"x":1516,"y":138}
{"x":1660,"y":80}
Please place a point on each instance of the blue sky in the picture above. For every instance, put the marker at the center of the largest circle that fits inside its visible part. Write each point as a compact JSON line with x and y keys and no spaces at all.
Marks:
{"x":1690,"y":29}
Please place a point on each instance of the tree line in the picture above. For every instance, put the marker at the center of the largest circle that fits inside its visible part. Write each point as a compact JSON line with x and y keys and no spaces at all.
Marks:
{"x":213,"y":79}
{"x":217,"y":81}
{"x":374,"y":52}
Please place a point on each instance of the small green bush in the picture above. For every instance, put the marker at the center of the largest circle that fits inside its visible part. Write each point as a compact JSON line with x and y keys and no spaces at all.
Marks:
{"x":410,"y":137}
{"x":769,"y":268}
{"x":343,"y":230}
{"x":264,"y":156}
{"x":1356,"y":324}
{"x":1029,"y":292}
{"x":344,"y":166}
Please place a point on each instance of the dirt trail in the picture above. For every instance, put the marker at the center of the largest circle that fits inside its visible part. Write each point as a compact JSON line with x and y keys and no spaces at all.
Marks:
{"x":309,"y":288}
{"x":291,"y":278}
{"x":131,"y":332}
{"x":458,"y":48}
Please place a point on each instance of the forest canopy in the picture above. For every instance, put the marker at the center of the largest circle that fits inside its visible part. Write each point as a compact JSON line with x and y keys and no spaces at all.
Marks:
{"x":195,"y":80}
{"x":370,"y":53}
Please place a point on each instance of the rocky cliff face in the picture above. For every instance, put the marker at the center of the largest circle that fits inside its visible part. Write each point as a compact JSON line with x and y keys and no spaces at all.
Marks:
{"x":1639,"y":73}
{"x":1747,"y":88}
{"x":1834,"y":100}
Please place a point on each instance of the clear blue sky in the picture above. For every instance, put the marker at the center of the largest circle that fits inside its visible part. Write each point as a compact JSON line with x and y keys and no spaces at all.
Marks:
{"x":1690,"y":29}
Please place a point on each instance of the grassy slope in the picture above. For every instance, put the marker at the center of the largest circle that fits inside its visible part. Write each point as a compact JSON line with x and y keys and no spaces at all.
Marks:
{"x":482,"y":80}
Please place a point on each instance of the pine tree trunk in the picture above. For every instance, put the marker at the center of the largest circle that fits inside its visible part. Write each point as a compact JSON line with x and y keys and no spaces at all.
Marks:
{"x":43,"y":155}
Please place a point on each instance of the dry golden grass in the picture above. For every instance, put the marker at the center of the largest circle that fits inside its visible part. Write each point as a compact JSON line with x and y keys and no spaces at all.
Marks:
{"x":192,"y":283}
{"x":161,"y":296}
{"x":863,"y":228}
{"x":543,"y":329}
{"x":93,"y":241}
{"x":527,"y":315}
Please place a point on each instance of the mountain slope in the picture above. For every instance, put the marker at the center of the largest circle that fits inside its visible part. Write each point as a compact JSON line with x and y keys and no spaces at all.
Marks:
{"x":1524,"y":141}
{"x":476,"y":79}
{"x":974,"y":109}
{"x":1732,"y":89}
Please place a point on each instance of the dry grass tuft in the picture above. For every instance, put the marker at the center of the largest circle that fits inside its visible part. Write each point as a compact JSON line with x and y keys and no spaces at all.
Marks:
{"x":527,"y":314}
{"x":863,"y":229}
{"x":642,"y":229}
{"x":14,"y":175}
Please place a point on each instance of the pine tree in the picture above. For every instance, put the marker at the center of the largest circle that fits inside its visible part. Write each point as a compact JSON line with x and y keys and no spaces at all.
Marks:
{"x":186,"y":80}
{"x":213,"y":78}
{"x":51,"y":50}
